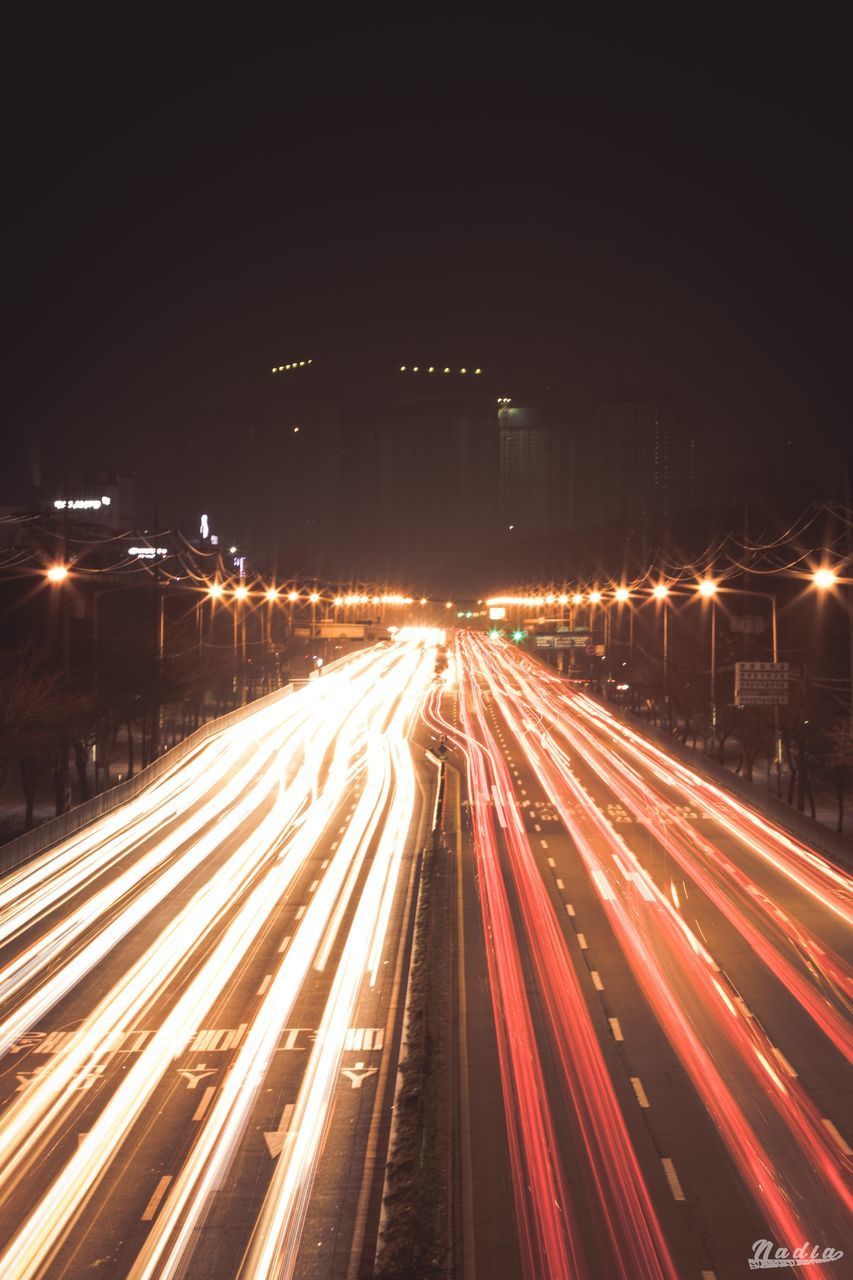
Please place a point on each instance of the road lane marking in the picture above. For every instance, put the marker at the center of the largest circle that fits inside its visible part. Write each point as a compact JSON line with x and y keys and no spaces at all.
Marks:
{"x":596,"y":980}
{"x":264,"y":984}
{"x":536,"y":826}
{"x":282,"y":946}
{"x":582,"y":942}
{"x":358,"y":1074}
{"x":616,"y":1029}
{"x":544,"y":844}
{"x":276,"y":1139}
{"x":364,"y":1039}
{"x":672,"y":1178}
{"x":836,"y":1136}
{"x":551,"y":862}
{"x":300,"y":912}
{"x":560,"y":884}
{"x":159,"y":1192}
{"x":709,"y":1275}
{"x":570,"y":909}
{"x":205,"y":1102}
{"x":323,"y":865}
{"x":206,"y":1040}
{"x":639,"y":1091}
{"x":313,"y":886}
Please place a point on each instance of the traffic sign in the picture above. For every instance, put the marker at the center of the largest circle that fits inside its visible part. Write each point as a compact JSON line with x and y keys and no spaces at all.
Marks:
{"x":761,"y":684}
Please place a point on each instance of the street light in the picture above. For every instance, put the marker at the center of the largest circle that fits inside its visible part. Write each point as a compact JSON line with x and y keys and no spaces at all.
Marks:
{"x":622,"y":595}
{"x":824,"y":578}
{"x":660,"y":591}
{"x":215,"y":590}
{"x":707,"y":588}
{"x":57,"y":573}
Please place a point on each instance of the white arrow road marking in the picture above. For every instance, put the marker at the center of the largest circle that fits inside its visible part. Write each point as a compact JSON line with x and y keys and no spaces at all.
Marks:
{"x":358,"y":1074}
{"x":194,"y":1074}
{"x":275,"y":1141}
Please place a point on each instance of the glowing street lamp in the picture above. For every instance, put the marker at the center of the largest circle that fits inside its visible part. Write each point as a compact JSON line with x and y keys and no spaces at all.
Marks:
{"x":271,"y":595}
{"x":215,"y":590}
{"x":293,"y":596}
{"x":824,"y":578}
{"x":57,"y":573}
{"x":595,"y":597}
{"x":707,"y":588}
{"x":660,"y":591}
{"x":622,"y":595}
{"x":241,"y":593}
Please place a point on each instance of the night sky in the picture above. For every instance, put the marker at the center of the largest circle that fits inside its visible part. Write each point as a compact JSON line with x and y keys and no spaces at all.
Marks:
{"x":189,"y":200}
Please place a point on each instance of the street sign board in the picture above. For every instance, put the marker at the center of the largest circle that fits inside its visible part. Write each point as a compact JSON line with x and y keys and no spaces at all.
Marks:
{"x":761,"y":684}
{"x":748,"y":623}
{"x":565,"y":640}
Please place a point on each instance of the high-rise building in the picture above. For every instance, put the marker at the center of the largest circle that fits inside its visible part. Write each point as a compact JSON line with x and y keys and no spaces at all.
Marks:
{"x":537,"y":480}
{"x":376,"y":471}
{"x":636,"y":463}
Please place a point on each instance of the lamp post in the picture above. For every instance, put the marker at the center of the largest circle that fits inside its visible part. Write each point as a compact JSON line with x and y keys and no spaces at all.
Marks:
{"x":708,"y":590}
{"x":241,"y":594}
{"x":661,"y":594}
{"x":622,"y":596}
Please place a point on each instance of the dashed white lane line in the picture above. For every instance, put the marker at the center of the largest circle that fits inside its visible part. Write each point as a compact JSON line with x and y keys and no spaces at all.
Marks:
{"x":205,"y":1102}
{"x":313,"y":885}
{"x":153,"y":1203}
{"x":536,"y":826}
{"x":672,"y":1178}
{"x":282,"y":946}
{"x":323,"y":865}
{"x":342,"y":829}
{"x":582,"y":942}
{"x":709,"y":1275}
{"x":300,"y":912}
{"x":544,"y":844}
{"x":333,"y":845}
{"x":639,"y":1091}
{"x":616,"y":1029}
{"x":560,"y":884}
{"x":265,"y":982}
{"x":570,"y":909}
{"x":596,"y":980}
{"x":836,"y":1136}
{"x":551,"y":862}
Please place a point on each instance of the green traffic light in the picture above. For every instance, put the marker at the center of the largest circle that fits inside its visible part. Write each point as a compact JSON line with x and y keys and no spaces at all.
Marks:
{"x":518,"y":636}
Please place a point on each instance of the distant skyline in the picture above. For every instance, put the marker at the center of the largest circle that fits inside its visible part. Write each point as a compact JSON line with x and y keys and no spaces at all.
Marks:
{"x":581,"y":205}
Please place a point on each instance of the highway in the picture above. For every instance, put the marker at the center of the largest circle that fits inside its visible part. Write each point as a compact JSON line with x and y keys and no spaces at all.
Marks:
{"x":200,"y":998}
{"x":669,"y":981}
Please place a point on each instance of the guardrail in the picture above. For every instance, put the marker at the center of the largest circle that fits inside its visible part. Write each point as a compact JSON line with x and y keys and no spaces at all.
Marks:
{"x":19,"y":850}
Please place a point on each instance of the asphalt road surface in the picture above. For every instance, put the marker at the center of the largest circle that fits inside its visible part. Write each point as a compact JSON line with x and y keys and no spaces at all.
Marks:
{"x":202,"y":994}
{"x":656,"y":986}
{"x":201,"y":999}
